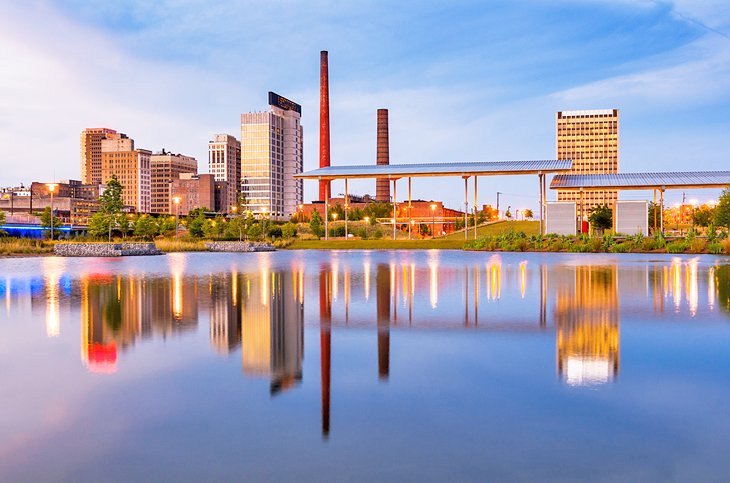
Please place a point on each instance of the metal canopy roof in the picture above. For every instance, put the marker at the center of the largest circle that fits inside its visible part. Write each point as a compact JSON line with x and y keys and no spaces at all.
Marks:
{"x":396,"y":171}
{"x":638,"y":181}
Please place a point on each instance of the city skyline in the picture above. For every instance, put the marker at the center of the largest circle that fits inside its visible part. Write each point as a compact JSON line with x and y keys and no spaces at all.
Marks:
{"x":664,"y":65}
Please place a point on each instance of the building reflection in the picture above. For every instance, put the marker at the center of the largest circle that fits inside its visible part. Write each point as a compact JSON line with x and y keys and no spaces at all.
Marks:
{"x":118,"y":310}
{"x":587,"y":323}
{"x":272,"y":328}
{"x":225,"y":311}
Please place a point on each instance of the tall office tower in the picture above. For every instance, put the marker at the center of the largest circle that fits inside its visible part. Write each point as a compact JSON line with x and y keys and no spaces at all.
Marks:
{"x":590,"y":139}
{"x":224,"y":163}
{"x":382,"y":187}
{"x":271,"y":154}
{"x":132,"y":168}
{"x":325,"y":187}
{"x":164,"y":169}
{"x":91,"y":153}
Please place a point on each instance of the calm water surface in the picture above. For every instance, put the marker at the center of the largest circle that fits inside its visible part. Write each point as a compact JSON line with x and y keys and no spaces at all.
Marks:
{"x":347,"y":366}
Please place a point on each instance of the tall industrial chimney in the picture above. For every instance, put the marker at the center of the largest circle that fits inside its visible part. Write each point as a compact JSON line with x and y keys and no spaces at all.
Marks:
{"x":324,"y":122}
{"x":382,"y":188}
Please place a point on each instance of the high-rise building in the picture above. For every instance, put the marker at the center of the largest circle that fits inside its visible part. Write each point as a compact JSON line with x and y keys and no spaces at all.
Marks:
{"x":224,"y":163}
{"x":271,"y":154}
{"x":132,"y":168}
{"x":164,"y":169}
{"x":91,"y":153}
{"x":590,"y":139}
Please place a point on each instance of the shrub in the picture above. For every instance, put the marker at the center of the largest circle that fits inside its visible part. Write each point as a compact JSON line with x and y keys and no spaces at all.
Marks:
{"x":522,"y":245}
{"x":648,"y":244}
{"x":714,"y":248}
{"x":697,"y":245}
{"x":273,"y":231}
{"x":677,"y":246}
{"x":288,"y":230}
{"x":623,"y":247}
{"x":595,"y":245}
{"x":378,"y":234}
{"x":725,"y":246}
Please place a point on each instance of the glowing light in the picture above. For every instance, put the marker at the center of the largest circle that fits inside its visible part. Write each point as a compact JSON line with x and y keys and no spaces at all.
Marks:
{"x":434,"y":280}
{"x":711,"y":288}
{"x":523,"y":277}
{"x":692,"y":287}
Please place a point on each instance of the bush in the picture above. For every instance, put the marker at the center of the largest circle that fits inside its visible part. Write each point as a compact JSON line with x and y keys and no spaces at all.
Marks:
{"x":378,"y":234}
{"x":725,"y":246}
{"x":677,"y":246}
{"x":289,"y":230}
{"x":595,"y":245}
{"x":254,"y":232}
{"x":623,"y":247}
{"x":714,"y":248}
{"x":697,"y":245}
{"x":273,"y":231}
{"x":648,"y":244}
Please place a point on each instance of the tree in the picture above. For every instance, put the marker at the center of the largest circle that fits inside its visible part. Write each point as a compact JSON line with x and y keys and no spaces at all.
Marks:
{"x":315,"y":223}
{"x":165,"y":225}
{"x":703,"y":216}
{"x":196,"y":223}
{"x":722,"y":211}
{"x":46,"y":219}
{"x":652,"y":205}
{"x":111,"y":203}
{"x":339,"y":210}
{"x":3,"y":218}
{"x":601,"y":217}
{"x":98,"y":225}
{"x":145,"y":227}
{"x":255,"y":232}
{"x":528,"y":214}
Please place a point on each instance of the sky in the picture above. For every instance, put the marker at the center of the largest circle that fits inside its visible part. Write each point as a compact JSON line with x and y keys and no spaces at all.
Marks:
{"x":463,"y":81}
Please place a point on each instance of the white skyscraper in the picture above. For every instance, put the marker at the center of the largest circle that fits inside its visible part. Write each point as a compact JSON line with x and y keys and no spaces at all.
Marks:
{"x":271,"y":154}
{"x":224,"y":163}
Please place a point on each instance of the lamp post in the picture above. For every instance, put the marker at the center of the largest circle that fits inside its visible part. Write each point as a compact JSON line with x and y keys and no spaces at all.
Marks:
{"x":234,"y":209}
{"x":51,"y":187}
{"x":334,"y":224}
{"x":433,"y":220}
{"x":263,"y":227}
{"x":176,"y":200}
{"x":301,"y":212}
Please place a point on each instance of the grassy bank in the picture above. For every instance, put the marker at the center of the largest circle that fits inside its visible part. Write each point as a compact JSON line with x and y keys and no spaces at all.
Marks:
{"x":498,"y":228}
{"x":172,"y":245}
{"x":376,"y":244}
{"x":24,"y":246}
{"x":521,"y":242}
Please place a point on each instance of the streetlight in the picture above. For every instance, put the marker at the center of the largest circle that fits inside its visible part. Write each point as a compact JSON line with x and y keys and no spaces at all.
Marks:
{"x":301,"y":212}
{"x":263,"y":228}
{"x":176,"y":200}
{"x":234,"y":209}
{"x":334,"y":226}
{"x":51,"y":187}
{"x":433,"y":220}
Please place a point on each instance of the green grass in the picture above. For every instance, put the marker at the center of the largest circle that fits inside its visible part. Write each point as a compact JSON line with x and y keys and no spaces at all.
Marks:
{"x":498,"y":228}
{"x":376,"y":244}
{"x":169,"y":246}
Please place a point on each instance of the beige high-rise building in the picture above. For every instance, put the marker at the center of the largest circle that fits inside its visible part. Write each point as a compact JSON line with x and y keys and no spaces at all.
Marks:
{"x":224,"y":163}
{"x":271,"y":154}
{"x":590,"y":139}
{"x":164,"y":169}
{"x":132,"y":168}
{"x":91,"y":153}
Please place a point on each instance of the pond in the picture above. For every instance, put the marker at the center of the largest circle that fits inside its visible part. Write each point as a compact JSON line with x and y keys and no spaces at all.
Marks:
{"x":361,"y":365}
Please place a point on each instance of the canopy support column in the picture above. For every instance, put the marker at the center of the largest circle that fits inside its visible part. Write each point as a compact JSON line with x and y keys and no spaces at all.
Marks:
{"x":580,"y":221}
{"x":347,"y":206}
{"x":475,"y":207}
{"x":409,"y":208}
{"x":326,"y":211}
{"x":661,"y":210}
{"x":395,"y":209}
{"x":655,"y":220}
{"x":540,"y":181}
{"x":466,"y":207}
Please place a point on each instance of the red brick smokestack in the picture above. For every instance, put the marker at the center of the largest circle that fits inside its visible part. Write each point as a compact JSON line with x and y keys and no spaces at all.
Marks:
{"x":382,"y":188}
{"x":324,"y":122}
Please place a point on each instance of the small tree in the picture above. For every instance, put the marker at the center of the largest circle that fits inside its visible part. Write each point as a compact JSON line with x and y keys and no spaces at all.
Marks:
{"x":98,"y":225}
{"x":601,"y":217}
{"x":255,"y":232}
{"x":145,"y":227}
{"x":528,"y":214}
{"x":288,"y":230}
{"x":46,"y":218}
{"x":111,"y":203}
{"x":3,"y":218}
{"x":722,"y":211}
{"x":315,"y":223}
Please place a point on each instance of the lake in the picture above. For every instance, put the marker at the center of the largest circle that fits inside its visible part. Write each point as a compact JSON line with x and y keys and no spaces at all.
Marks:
{"x":365,"y":365}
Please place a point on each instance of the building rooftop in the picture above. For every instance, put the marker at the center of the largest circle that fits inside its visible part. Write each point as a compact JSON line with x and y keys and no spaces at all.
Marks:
{"x":638,"y":181}
{"x":396,"y":171}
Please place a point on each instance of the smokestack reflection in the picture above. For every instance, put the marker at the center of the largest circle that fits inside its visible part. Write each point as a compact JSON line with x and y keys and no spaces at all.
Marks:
{"x":382,"y":283}
{"x":325,"y":340}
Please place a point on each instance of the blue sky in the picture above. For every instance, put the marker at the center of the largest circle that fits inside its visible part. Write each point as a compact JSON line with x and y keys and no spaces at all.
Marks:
{"x":464,"y":81}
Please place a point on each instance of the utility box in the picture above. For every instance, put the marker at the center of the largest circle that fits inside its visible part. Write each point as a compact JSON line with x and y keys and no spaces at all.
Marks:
{"x":632,"y":217}
{"x":560,"y":218}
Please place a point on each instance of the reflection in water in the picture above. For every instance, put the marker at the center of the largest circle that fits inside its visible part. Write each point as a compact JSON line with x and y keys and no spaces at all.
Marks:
{"x":587,"y":321}
{"x":260,"y":310}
